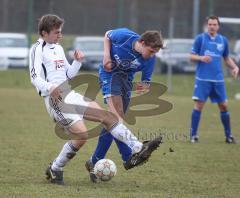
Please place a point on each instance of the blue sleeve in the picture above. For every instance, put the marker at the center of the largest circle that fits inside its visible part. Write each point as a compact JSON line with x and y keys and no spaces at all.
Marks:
{"x":148,"y":69}
{"x":226,"y":47}
{"x":113,"y":35}
{"x":120,"y":35}
{"x":196,"y":48}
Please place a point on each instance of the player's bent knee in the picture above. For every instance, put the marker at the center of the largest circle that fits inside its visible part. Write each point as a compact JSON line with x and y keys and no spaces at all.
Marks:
{"x":199,"y":105}
{"x":79,"y":131}
{"x":223,"y":107}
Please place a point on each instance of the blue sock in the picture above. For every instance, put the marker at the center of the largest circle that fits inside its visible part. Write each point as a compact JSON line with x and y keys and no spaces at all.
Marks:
{"x":225,"y":118}
{"x":196,"y":115}
{"x":124,"y":150}
{"x":104,"y":142}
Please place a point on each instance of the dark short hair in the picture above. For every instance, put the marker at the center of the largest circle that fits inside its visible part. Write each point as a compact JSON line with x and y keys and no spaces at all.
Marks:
{"x":152,"y":38}
{"x":49,"y":22}
{"x":213,"y":17}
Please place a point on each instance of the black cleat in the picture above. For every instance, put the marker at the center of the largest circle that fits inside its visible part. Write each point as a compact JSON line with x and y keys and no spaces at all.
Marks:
{"x":194,"y":139}
{"x":90,"y":166}
{"x":142,"y":157}
{"x":55,"y":177}
{"x":231,"y":140}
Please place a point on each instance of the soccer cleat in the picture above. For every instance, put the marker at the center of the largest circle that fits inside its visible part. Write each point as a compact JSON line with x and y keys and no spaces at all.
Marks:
{"x":142,"y":157}
{"x":55,"y":177}
{"x":231,"y":140}
{"x":194,"y":139}
{"x":90,"y":166}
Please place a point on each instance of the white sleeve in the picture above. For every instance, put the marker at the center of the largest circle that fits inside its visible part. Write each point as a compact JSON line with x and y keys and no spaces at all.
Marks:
{"x":71,"y":70}
{"x":36,"y":69}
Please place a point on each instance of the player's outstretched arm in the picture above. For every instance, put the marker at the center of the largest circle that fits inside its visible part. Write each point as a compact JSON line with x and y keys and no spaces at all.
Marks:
{"x":73,"y":69}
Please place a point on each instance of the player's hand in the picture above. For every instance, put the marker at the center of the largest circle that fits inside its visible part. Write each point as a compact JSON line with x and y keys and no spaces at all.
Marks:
{"x":234,"y":72}
{"x":107,"y":63}
{"x":205,"y":59}
{"x":55,"y":93}
{"x":142,"y":87}
{"x":78,"y":55}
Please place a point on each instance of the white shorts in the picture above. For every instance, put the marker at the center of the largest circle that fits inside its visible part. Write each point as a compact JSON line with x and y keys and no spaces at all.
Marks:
{"x":68,"y":112}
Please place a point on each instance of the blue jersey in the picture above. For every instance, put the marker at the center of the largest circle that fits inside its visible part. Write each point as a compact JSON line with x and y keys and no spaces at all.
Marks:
{"x":216,"y":47}
{"x":125,"y":58}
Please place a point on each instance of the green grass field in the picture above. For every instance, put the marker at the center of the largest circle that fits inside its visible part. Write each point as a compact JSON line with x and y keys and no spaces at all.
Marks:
{"x":28,"y":143}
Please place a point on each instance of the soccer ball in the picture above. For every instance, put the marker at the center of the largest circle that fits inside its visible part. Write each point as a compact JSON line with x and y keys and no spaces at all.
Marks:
{"x":105,"y":169}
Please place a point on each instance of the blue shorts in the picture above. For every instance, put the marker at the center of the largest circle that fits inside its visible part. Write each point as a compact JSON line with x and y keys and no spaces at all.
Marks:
{"x":115,"y":84}
{"x":214,"y":90}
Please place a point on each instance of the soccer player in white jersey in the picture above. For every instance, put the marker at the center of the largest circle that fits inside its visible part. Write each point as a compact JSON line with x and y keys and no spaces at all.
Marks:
{"x":48,"y":69}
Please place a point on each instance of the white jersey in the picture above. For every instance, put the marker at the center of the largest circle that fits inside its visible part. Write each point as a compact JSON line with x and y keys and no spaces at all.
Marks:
{"x":48,"y":66}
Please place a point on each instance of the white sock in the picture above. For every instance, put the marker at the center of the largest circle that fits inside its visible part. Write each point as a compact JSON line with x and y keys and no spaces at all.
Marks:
{"x":122,"y":133}
{"x":67,"y":153}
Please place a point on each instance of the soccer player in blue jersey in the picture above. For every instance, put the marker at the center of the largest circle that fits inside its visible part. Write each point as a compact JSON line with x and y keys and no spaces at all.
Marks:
{"x":125,"y":53}
{"x":208,"y":50}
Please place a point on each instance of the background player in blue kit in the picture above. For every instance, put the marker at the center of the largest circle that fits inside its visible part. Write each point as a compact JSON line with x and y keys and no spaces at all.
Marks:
{"x":125,"y":53}
{"x":208,"y":50}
